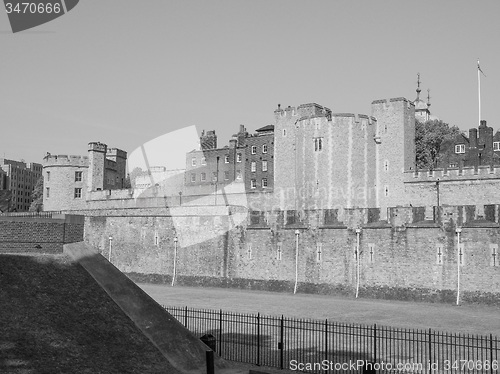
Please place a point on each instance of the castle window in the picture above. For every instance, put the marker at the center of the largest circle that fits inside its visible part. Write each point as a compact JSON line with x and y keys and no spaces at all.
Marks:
{"x":78,"y":176}
{"x":264,"y":182}
{"x":253,"y":167}
{"x":226,"y":175}
{"x":386,"y":191}
{"x":496,"y":146}
{"x":193,"y":162}
{"x":254,"y":149}
{"x":203,"y":177}
{"x":193,"y":177}
{"x":253,"y":184}
{"x":264,"y":165}
{"x":460,"y":148}
{"x":48,"y":176}
{"x":238,"y":174}
{"x":249,"y":251}
{"x":279,"y":251}
{"x":439,"y":254}
{"x":238,"y":157}
{"x":371,"y":253}
{"x":203,"y":160}
{"x":284,"y":132}
{"x":318,"y":144}
{"x":226,"y":159}
{"x":495,"y":260}
{"x":47,"y":190}
{"x":386,"y":165}
{"x":264,"y":148}
{"x":78,"y":193}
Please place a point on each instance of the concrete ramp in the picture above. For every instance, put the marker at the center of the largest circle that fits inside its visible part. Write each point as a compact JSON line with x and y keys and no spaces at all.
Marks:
{"x":179,"y":346}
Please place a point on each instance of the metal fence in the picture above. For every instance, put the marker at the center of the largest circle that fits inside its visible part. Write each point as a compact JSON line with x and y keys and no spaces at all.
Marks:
{"x":315,"y":346}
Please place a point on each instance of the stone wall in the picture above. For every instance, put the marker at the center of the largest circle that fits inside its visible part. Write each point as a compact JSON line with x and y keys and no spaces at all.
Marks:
{"x":409,"y":259}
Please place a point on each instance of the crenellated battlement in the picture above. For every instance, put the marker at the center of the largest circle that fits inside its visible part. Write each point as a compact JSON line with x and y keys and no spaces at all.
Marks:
{"x":454,"y":174}
{"x":65,"y":160}
{"x":115,"y":152}
{"x":97,"y":147}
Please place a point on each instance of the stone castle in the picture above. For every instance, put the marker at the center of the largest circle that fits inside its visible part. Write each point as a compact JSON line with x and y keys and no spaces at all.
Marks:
{"x":344,"y":190}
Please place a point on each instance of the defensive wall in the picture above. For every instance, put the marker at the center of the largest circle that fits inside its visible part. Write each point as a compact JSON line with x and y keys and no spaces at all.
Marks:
{"x":39,"y":233}
{"x":406,"y":257}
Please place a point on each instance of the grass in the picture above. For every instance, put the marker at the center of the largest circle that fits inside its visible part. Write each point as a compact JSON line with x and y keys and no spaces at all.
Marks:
{"x":55,"y":319}
{"x":471,"y":319}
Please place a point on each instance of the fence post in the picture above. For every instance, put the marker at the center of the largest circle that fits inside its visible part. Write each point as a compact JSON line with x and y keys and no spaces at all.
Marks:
{"x":210,"y":362}
{"x":326,"y":339}
{"x":220,"y":332}
{"x":258,"y":339}
{"x":280,"y":344}
{"x":491,"y":353}
{"x":430,"y":349}
{"x":186,"y":317}
{"x":374,"y":343}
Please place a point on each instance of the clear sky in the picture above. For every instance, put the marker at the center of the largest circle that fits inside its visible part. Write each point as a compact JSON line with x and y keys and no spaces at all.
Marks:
{"x":124,"y":72}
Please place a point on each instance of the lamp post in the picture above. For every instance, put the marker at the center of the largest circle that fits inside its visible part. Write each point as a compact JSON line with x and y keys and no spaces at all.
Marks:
{"x":297,"y":233}
{"x":175,"y":260}
{"x":110,"y":246}
{"x":458,"y":230}
{"x":358,"y":232}
{"x":180,"y":198}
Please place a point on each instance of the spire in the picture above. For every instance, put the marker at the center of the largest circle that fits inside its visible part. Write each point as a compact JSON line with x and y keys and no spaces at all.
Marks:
{"x":418,"y":87}
{"x":428,"y":97}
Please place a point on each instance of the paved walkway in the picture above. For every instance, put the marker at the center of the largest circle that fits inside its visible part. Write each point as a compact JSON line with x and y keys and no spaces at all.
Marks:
{"x":472,"y":319}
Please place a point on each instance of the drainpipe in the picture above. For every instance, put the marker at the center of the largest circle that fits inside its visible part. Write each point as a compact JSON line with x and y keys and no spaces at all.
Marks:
{"x":110,"y":245}
{"x":458,"y":230}
{"x":297,"y":233}
{"x":358,"y":232}
{"x":175,"y":260}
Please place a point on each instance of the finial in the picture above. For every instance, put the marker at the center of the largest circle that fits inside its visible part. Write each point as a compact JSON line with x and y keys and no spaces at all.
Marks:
{"x":418,"y":86}
{"x":428,"y":97}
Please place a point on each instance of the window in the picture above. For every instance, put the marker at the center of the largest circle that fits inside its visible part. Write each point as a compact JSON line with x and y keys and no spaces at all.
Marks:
{"x":264,"y":182}
{"x":371,"y":253}
{"x":253,"y":167}
{"x":193,"y":162}
{"x":226,"y":175}
{"x":203,"y":160}
{"x":284,"y":132}
{"x":47,"y":192}
{"x":279,"y":251}
{"x":386,"y":191}
{"x":264,"y":165}
{"x":253,"y":184}
{"x":460,"y":148}
{"x":226,"y":159}
{"x":193,"y":177}
{"x":496,"y":146}
{"x":78,"y":193}
{"x":386,"y":165}
{"x":318,"y":252}
{"x":439,"y":254}
{"x":203,"y":177}
{"x":318,"y":144}
{"x":264,"y":148}
{"x":214,"y":176}
{"x":249,"y":251}
{"x":78,"y":176}
{"x":238,"y":174}
{"x":495,"y":261}
{"x":254,"y":149}
{"x":238,"y":157}
{"x":48,"y":176}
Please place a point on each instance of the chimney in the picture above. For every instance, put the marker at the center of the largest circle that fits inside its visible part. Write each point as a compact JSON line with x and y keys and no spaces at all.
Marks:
{"x":473,"y":138}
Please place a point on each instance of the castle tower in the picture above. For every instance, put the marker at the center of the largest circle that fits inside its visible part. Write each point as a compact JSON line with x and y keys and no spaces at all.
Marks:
{"x":96,"y":172}
{"x":395,"y":151}
{"x":422,"y":112}
{"x":120,"y":158}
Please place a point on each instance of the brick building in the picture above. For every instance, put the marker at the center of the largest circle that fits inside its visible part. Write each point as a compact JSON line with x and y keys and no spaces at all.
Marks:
{"x":20,"y":178}
{"x":480,"y":148}
{"x":248,"y":159}
{"x":67,"y":179}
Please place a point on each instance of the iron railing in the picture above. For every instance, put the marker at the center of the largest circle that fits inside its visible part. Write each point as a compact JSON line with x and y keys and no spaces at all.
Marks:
{"x":325,"y":346}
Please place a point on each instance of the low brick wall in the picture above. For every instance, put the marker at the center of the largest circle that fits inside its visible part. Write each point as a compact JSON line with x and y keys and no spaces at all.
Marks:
{"x":39,"y":234}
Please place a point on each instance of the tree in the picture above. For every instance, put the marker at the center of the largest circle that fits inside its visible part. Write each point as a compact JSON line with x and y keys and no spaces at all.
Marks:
{"x":429,"y":137}
{"x":37,"y":195}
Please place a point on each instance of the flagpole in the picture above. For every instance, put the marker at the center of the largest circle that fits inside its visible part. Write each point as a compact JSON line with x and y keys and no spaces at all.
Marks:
{"x":479,"y":89}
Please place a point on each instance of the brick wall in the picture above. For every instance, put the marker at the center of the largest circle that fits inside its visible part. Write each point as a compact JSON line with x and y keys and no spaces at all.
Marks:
{"x":39,"y":235}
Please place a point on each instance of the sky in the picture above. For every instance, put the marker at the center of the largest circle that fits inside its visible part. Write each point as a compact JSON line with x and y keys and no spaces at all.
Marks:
{"x":125,"y":72}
